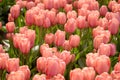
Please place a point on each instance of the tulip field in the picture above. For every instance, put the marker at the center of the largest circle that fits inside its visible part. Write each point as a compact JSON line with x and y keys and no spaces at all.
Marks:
{"x":59,"y":39}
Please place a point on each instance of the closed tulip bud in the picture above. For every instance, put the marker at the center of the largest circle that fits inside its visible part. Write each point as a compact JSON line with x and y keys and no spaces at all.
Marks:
{"x":66,"y":45}
{"x":103,"y":22}
{"x":94,"y":5}
{"x":49,"y":38}
{"x":103,"y":76}
{"x":90,"y":59}
{"x":113,"y":26}
{"x":47,"y":52}
{"x":71,"y":25}
{"x":74,"y":40}
{"x":10,"y":18}
{"x":56,"y":4}
{"x":81,"y":22}
{"x":112,"y":49}
{"x":89,"y":73}
{"x":39,"y":19}
{"x":40,"y":5}
{"x":111,"y":3}
{"x":30,"y":4}
{"x":104,"y":49}
{"x":83,"y":12}
{"x":1,"y":49}
{"x":46,"y":23}
{"x":9,"y":36}
{"x":58,"y":77}
{"x":3,"y":59}
{"x":100,"y":61}
{"x":25,"y":69}
{"x":31,"y":35}
{"x":39,"y":77}
{"x":43,"y":47}
{"x":41,"y":63}
{"x":48,"y":4}
{"x":62,"y":3}
{"x":115,"y":75}
{"x":15,"y":11}
{"x":22,"y":30}
{"x":18,"y":75}
{"x":12,"y":64}
{"x":59,"y":38}
{"x":10,"y":26}
{"x":61,"y":18}
{"x":68,"y":7}
{"x":76,"y":74}
{"x":24,"y":45}
{"x":103,"y":10}
{"x":71,"y":14}
{"x":117,"y":67}
{"x":21,"y":3}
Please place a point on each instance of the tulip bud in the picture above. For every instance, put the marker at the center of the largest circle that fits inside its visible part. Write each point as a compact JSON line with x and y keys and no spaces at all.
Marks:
{"x":49,"y":38}
{"x":10,"y":26}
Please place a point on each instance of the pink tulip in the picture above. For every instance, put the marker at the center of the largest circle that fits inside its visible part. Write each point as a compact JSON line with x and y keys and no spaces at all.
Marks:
{"x":15,"y":11}
{"x":43,"y":47}
{"x":98,"y":40}
{"x":117,"y":67}
{"x":81,"y":22}
{"x":39,"y":77}
{"x":66,"y":45}
{"x":47,"y":52}
{"x":41,"y":63}
{"x":61,"y":18}
{"x":56,"y":4}
{"x":115,"y":75}
{"x":30,"y":4}
{"x":94,"y":5}
{"x":66,"y":56}
{"x":1,"y":49}
{"x":24,"y":45}
{"x":111,"y":3}
{"x":76,"y":74}
{"x":25,"y":69}
{"x":104,"y":49}
{"x":48,"y":4}
{"x":12,"y":64}
{"x":40,"y":5}
{"x":100,"y":61}
{"x":58,"y":77}
{"x":103,"y":22}
{"x":80,"y":3}
{"x":10,"y":18}
{"x":10,"y":26}
{"x":0,"y":25}
{"x":22,"y":30}
{"x":46,"y":23}
{"x":103,"y":10}
{"x":68,"y":7}
{"x":62,"y":3}
{"x":74,"y":40}
{"x":59,"y":38}
{"x":9,"y":36}
{"x":83,"y":12}
{"x":115,"y":8}
{"x":18,"y":75}
{"x":31,"y":35}
{"x":49,"y":38}
{"x":71,"y":14}
{"x":103,"y":76}
{"x":112,"y":49}
{"x":89,"y":73}
{"x":3,"y":59}
{"x":90,"y":59}
{"x":71,"y":25}
{"x":21,"y":3}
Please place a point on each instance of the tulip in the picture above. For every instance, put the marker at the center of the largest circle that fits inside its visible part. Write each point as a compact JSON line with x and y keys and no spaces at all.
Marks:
{"x":9,"y":36}
{"x":113,"y":49}
{"x":15,"y":11}
{"x":18,"y":75}
{"x":81,"y":22}
{"x":40,"y":5}
{"x":113,"y":26}
{"x":90,"y":59}
{"x":71,"y":14}
{"x":83,"y":12}
{"x":59,"y":38}
{"x":115,"y":75}
{"x":66,"y":45}
{"x":0,"y":25}
{"x":115,"y":8}
{"x":48,"y":4}
{"x":47,"y":52}
{"x":76,"y":74}
{"x":56,"y":4}
{"x":22,"y":30}
{"x":103,"y":22}
{"x":12,"y":64}
{"x":43,"y":47}
{"x":104,"y":49}
{"x":49,"y":38}
{"x":24,"y":45}
{"x":58,"y":77}
{"x":62,"y":3}
{"x":103,"y":76}
{"x":10,"y":26}
{"x":68,"y":7}
{"x":116,"y":67}
{"x":89,"y":73}
{"x":71,"y":25}
{"x":46,"y":23}
{"x":111,"y":3}
{"x":10,"y":18}
{"x":21,"y":3}
{"x":25,"y":69}
{"x":74,"y":40}
{"x":100,"y":61}
{"x":94,"y":5}
{"x":39,"y":77}
{"x":30,"y":4}
{"x":3,"y":59}
{"x":61,"y":18}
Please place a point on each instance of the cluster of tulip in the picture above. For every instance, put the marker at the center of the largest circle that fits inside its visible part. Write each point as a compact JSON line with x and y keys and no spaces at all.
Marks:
{"x":61,"y":40}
